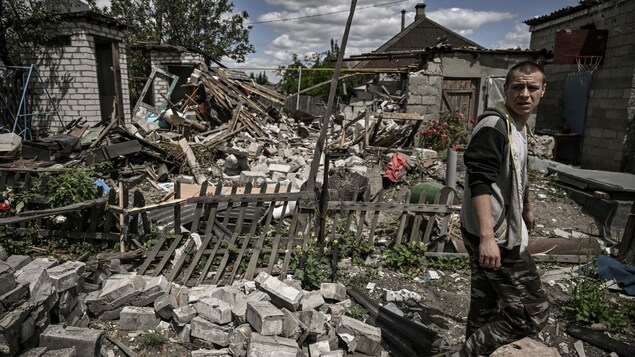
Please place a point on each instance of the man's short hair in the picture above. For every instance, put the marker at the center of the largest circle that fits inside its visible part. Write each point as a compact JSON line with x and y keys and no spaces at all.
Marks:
{"x":526,"y":67}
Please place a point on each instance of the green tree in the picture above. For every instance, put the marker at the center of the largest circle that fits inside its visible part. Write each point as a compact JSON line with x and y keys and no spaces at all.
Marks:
{"x":208,"y":26}
{"x":27,"y":22}
{"x":312,"y":76}
{"x":262,"y":78}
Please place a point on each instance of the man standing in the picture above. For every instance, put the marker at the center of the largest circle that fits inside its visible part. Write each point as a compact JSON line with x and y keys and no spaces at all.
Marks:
{"x":507,"y":300}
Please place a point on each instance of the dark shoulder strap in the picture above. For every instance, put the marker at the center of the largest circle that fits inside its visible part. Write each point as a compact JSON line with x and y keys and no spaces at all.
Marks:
{"x":497,"y":112}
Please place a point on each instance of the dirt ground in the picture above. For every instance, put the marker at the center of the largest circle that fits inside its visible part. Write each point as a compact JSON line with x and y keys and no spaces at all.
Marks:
{"x":445,"y":301}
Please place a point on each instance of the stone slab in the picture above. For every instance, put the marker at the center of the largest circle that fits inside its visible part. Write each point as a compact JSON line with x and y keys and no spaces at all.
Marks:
{"x":265,"y":318}
{"x":138,"y":318}
{"x":272,"y":346}
{"x":85,"y":340}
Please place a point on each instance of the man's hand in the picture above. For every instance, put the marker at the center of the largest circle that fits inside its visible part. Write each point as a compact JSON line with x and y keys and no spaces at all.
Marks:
{"x":489,"y":253}
{"x":529,"y":218}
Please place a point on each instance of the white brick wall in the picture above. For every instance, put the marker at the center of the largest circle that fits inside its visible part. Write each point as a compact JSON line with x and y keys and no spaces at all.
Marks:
{"x":74,"y":84}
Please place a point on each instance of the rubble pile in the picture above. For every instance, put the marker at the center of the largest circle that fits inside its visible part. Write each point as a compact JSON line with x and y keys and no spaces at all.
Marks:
{"x":48,"y":306}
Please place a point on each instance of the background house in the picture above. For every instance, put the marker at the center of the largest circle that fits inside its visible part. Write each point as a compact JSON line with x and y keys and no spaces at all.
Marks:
{"x":439,"y":70}
{"x":591,"y":81}
{"x":84,"y":70}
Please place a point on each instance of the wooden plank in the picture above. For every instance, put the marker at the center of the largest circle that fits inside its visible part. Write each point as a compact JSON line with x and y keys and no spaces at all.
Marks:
{"x":290,"y":239}
{"x":401,"y":116}
{"x":559,"y":258}
{"x":199,"y":208}
{"x":66,"y":234}
{"x":177,"y":208}
{"x":105,"y":153}
{"x":33,"y":215}
{"x":237,"y":229}
{"x":402,"y":221}
{"x":191,"y":160}
{"x":197,"y":258}
{"x":375,"y":219}
{"x":392,"y":207}
{"x":123,"y":204}
{"x":416,"y":222}
{"x":112,"y":198}
{"x":151,"y":255}
{"x":256,"y":197}
{"x":211,"y":209}
{"x":230,"y":206}
{"x":159,"y":268}
{"x":255,"y":256}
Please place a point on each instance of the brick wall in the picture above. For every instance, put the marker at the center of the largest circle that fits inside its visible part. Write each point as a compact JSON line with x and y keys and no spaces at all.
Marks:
{"x":609,"y":137}
{"x":69,"y":71}
{"x":162,"y":59}
{"x":425,"y":89}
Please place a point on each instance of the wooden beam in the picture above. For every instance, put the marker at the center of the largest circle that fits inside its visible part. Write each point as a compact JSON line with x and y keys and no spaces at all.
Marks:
{"x":191,"y":160}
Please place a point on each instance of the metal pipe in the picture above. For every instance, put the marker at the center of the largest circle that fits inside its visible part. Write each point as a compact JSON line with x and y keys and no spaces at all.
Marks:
{"x":450,"y":169}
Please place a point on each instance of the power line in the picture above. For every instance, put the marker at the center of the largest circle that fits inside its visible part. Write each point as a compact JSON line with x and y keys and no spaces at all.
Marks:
{"x":324,"y":14}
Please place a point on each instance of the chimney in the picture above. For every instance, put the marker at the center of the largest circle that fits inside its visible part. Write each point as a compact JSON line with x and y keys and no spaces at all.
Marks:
{"x":420,"y":11}
{"x":403,"y":19}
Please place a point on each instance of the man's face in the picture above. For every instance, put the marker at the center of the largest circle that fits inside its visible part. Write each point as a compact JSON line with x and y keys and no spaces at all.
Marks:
{"x":524,"y":91}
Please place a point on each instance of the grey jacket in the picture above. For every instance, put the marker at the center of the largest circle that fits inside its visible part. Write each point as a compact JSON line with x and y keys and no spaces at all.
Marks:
{"x":493,"y":168}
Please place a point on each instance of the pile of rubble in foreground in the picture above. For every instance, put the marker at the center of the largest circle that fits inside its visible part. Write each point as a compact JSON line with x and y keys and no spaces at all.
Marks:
{"x":47,"y":308}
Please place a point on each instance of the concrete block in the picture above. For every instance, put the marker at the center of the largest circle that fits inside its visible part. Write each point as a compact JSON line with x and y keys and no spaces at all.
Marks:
{"x":18,"y":293}
{"x":211,"y":353}
{"x":272,"y":346}
{"x":17,"y":262}
{"x":138,"y":318}
{"x":35,"y":352}
{"x":337,"y":310}
{"x":7,"y":278}
{"x":282,"y":295}
{"x":121,"y":289}
{"x":314,"y":321}
{"x":198,"y":292}
{"x":359,"y":336}
{"x":64,"y":352}
{"x":30,"y":272}
{"x":239,"y":340}
{"x":67,"y":275}
{"x":215,"y":310}
{"x":184,"y":314}
{"x":280,"y":168}
{"x":210,"y":332}
{"x":42,"y":291}
{"x":164,"y":306}
{"x":336,"y":353}
{"x":292,"y":327}
{"x":240,"y":308}
{"x":319,"y":348}
{"x":184,"y":333}
{"x":180,"y":293}
{"x":85,"y":340}
{"x":333,"y":291}
{"x":265,"y":318}
{"x":227,"y":294}
{"x":311,"y":300}
{"x":154,"y":287}
{"x":254,"y":177}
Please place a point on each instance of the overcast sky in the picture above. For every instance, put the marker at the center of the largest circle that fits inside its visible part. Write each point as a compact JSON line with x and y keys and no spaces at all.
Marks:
{"x":284,"y":27}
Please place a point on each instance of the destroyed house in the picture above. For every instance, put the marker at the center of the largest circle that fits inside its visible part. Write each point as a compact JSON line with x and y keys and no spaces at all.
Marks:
{"x":589,"y":105}
{"x":435,"y":69}
{"x":80,"y":72}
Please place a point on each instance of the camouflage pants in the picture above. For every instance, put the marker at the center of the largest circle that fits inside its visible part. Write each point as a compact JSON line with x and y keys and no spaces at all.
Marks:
{"x":507,"y":304}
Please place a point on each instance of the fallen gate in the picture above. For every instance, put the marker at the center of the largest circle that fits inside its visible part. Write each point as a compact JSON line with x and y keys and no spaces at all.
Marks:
{"x":243,"y":234}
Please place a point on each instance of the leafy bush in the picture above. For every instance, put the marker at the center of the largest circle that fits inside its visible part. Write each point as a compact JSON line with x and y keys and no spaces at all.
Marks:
{"x":450,"y":129}
{"x":407,"y":258}
{"x":591,"y":305}
{"x":152,"y":338}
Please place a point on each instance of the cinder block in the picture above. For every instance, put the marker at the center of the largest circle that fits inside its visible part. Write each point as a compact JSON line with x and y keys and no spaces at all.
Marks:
{"x":67,"y":275}
{"x":164,"y":306}
{"x":311,"y":300}
{"x":215,"y":310}
{"x":64,"y":352}
{"x":239,"y":340}
{"x":282,"y":295}
{"x":359,"y":336}
{"x":184,"y":314}
{"x":210,"y":332}
{"x":272,"y":346}
{"x":138,"y":318}
{"x":154,"y":287}
{"x":265,"y":318}
{"x":18,"y":262}
{"x":240,"y":307}
{"x":85,"y":340}
{"x":333,"y":291}
{"x":314,"y":320}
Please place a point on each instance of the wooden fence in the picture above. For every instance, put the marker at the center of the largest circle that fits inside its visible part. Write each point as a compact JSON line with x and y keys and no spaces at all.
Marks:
{"x":239,"y":231}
